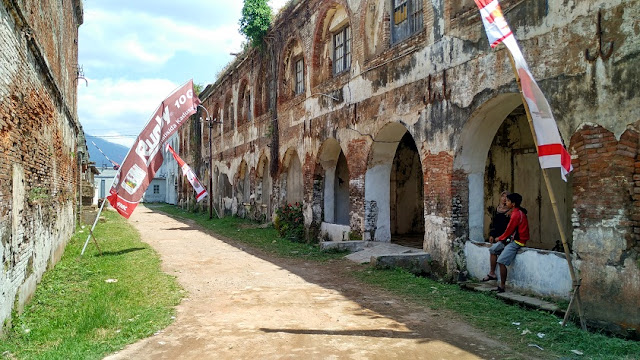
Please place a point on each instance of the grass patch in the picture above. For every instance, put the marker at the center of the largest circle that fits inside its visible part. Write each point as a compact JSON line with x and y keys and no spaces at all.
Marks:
{"x":248,"y":232}
{"x":76,"y":314}
{"x":491,"y":314}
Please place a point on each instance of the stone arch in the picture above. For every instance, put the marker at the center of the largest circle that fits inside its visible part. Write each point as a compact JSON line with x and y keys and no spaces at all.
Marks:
{"x":292,"y":52}
{"x":292,"y":178}
{"x":215,"y":115}
{"x":227,"y":117}
{"x":333,"y":14}
{"x":224,"y":192}
{"x":334,"y":173}
{"x":497,"y":152}
{"x":394,"y":184}
{"x":372,"y":27}
{"x":261,"y":98}
{"x":263,"y":186}
{"x":216,"y":191}
{"x":245,"y":113}
{"x":241,"y":181}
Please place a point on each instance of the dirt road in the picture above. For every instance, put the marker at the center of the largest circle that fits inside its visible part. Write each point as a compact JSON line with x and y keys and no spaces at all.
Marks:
{"x":243,"y":304}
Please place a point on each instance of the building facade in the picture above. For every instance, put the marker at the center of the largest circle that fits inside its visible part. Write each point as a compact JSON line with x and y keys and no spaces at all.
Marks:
{"x":393,"y":120}
{"x":42,"y":147}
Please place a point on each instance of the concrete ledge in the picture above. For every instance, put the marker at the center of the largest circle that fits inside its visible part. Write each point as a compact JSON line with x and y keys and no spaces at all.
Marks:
{"x":352,"y":246}
{"x":334,"y":232}
{"x":539,"y":272}
{"x":418,"y":264}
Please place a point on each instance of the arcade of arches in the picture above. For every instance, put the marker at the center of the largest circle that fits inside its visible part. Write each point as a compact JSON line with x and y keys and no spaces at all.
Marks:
{"x":412,"y":141}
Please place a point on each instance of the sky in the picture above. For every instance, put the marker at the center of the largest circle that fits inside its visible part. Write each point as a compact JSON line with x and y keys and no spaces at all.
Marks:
{"x":135,"y":53}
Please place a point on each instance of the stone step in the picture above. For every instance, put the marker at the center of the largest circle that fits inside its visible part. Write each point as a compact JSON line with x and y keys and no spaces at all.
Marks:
{"x":528,"y":301}
{"x":418,"y":264}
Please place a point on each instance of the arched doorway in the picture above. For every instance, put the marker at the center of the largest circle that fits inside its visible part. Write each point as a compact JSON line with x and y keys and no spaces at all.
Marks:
{"x":335,"y":178}
{"x":497,"y":151}
{"x":406,"y":195}
{"x":394,"y":196}
{"x":293,"y":177}
{"x":512,"y":164}
{"x":263,"y":187}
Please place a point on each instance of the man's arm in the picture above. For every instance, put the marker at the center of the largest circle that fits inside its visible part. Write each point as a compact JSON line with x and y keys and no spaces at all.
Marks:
{"x":514,"y":220}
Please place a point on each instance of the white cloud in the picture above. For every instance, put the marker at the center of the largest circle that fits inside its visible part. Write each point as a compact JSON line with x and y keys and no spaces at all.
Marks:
{"x":117,"y":110}
{"x":131,"y":39}
{"x":135,"y":53}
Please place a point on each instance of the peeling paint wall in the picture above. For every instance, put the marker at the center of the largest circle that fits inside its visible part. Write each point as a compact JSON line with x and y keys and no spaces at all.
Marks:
{"x":40,"y":139}
{"x":450,"y":92}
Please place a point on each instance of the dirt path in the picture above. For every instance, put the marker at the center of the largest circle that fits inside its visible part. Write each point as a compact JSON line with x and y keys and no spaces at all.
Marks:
{"x":242,"y":304}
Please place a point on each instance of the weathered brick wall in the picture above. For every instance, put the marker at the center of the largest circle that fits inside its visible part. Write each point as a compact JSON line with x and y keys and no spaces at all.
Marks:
{"x":604,"y":221}
{"x":39,"y":133}
{"x":451,"y":93}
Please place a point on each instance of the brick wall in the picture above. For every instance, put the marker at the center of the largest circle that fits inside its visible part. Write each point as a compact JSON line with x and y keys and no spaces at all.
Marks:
{"x":605,"y":220}
{"x":39,"y":133}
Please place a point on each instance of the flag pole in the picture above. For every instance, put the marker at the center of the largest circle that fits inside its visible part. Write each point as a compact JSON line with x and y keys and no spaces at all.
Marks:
{"x":575,"y":298}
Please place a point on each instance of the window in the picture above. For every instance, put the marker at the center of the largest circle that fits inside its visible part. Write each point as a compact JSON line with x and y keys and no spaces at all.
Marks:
{"x":299,"y":89}
{"x":156,"y":189}
{"x":407,"y":19}
{"x":416,"y":20}
{"x":399,"y":11}
{"x":342,"y":50}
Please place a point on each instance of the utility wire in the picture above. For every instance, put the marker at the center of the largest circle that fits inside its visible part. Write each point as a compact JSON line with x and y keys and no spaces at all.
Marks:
{"x":116,"y":166}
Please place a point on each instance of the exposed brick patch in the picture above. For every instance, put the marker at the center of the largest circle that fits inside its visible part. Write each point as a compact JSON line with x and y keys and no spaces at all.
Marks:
{"x":460,"y":204}
{"x":604,"y":179}
{"x":438,"y":173}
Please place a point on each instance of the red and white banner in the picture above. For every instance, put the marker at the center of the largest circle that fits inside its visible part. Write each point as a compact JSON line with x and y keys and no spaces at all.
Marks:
{"x":145,"y":157}
{"x":201,"y":192}
{"x":551,"y":151}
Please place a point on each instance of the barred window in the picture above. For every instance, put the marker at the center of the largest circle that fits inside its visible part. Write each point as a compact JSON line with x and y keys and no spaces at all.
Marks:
{"x":342,"y":50}
{"x":299,"y":89}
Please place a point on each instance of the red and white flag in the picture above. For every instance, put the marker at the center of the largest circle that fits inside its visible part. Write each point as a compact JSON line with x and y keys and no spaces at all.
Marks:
{"x":551,"y":151}
{"x":145,"y":157}
{"x":201,"y":192}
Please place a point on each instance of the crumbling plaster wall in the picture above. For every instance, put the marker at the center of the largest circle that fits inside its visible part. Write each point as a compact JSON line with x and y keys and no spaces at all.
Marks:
{"x":451,"y":92}
{"x":39,"y":133}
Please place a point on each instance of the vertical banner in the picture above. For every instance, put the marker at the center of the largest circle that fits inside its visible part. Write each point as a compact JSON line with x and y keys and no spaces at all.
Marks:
{"x":551,"y":151}
{"x":201,"y":192}
{"x":145,"y":157}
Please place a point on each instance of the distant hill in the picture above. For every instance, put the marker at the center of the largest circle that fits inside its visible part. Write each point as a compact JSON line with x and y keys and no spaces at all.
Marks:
{"x":115,"y":152}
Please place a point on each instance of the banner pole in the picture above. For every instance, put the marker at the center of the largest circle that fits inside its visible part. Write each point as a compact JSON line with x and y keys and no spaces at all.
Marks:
{"x":98,"y":217}
{"x":93,"y":227}
{"x":556,"y":211}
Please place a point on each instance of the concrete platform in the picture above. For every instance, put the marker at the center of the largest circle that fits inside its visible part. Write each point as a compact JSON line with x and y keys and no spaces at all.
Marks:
{"x":384,"y":255}
{"x":369,"y":249}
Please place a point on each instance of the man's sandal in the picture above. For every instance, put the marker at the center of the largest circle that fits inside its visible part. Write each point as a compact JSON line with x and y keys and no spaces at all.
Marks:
{"x":489,"y":278}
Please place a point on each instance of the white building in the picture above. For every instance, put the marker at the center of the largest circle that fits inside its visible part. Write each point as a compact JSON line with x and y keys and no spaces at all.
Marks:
{"x":163,"y":187}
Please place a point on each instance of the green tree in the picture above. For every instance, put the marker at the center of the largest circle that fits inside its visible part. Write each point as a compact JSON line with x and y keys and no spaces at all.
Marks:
{"x":197,"y":88}
{"x":255,"y":20}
